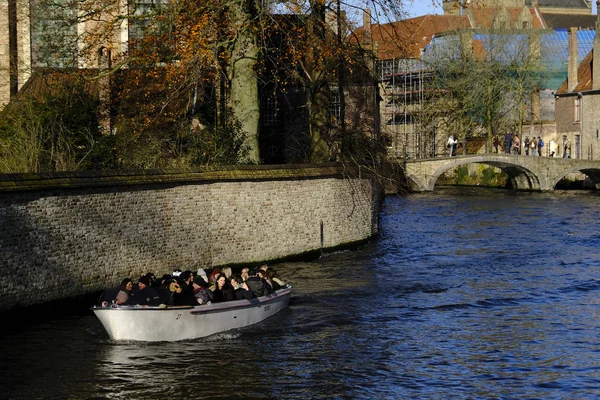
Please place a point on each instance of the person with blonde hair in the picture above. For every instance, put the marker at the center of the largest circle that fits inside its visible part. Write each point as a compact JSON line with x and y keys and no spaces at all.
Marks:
{"x":202,"y":275}
{"x":227,"y":272}
{"x":274,"y":279}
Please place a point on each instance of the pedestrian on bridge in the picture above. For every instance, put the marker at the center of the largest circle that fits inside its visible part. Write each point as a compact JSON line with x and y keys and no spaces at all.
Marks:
{"x":526,"y":145}
{"x":516,"y":145}
{"x":567,"y":152}
{"x":540,"y":145}
{"x":452,"y":145}
{"x":507,"y":142}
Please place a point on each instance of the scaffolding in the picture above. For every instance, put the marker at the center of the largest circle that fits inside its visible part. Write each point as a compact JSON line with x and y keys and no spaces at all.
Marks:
{"x":403,"y":83}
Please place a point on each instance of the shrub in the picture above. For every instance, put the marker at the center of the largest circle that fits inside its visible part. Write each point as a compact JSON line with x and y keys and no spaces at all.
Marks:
{"x":57,"y":132}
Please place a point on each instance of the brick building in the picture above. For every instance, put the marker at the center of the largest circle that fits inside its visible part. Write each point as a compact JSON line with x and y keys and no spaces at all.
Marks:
{"x":578,"y":103}
{"x":403,"y":75}
{"x":37,"y":36}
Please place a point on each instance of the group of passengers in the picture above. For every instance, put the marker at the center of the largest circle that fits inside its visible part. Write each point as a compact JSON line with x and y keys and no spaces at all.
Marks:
{"x":189,"y":289}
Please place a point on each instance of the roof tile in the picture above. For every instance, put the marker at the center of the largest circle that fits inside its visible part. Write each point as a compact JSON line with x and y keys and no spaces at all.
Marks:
{"x":408,"y":38}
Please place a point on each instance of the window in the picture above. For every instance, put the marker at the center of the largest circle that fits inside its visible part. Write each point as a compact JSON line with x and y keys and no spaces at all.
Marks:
{"x":577,"y":109}
{"x":269,"y":110}
{"x":336,"y":108}
{"x":400,"y":119}
{"x":142,"y":16}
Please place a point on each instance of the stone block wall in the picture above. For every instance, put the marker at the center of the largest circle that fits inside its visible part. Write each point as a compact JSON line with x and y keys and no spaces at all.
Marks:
{"x":65,"y":235}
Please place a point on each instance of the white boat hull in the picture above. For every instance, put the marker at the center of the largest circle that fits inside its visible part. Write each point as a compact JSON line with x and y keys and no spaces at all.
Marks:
{"x":155,"y":324}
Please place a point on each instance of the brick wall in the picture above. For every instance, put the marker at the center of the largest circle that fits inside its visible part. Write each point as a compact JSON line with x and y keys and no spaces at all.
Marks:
{"x":565,"y":112}
{"x":65,"y":235}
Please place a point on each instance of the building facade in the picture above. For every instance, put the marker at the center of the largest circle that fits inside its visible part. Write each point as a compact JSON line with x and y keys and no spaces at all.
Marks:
{"x":52,"y":34}
{"x":578,"y":103}
{"x":403,"y":75}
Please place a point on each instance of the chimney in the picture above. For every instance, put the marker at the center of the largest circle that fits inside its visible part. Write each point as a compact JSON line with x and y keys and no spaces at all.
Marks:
{"x":367,"y":26}
{"x":596,"y":55}
{"x":450,"y":7}
{"x":535,"y":54}
{"x":573,"y":62}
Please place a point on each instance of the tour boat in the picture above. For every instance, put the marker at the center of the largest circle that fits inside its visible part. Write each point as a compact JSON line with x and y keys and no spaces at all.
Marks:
{"x":173,"y":323}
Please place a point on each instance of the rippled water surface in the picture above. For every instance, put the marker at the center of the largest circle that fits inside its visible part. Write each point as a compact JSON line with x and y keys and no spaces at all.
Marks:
{"x":466,"y":294}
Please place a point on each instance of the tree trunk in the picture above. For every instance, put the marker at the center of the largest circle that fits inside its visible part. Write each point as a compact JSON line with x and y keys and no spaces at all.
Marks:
{"x":320,"y":93}
{"x":319,"y":122}
{"x":244,"y":100}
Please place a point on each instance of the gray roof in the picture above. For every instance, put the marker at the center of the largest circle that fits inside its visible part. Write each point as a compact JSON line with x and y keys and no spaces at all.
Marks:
{"x":579,"y":4}
{"x":562,"y":21}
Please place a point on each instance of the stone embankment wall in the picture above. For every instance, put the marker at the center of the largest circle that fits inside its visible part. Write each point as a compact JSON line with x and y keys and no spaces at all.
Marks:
{"x":65,"y":235}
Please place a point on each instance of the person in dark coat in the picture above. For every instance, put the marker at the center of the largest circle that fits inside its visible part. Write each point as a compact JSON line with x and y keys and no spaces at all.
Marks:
{"x":170,"y":294}
{"x":187,"y":285}
{"x":262,"y":274}
{"x":507,"y":142}
{"x":240,"y":289}
{"x":144,"y":294}
{"x":223,"y":290}
{"x":162,"y":282}
{"x":258,"y":285}
{"x":154,"y":283}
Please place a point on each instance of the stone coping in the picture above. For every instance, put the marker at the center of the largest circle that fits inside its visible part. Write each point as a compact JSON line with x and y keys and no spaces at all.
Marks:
{"x":80,"y":179}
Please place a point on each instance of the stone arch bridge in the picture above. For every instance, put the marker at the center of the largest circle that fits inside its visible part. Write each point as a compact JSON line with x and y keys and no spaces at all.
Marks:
{"x":525,"y":172}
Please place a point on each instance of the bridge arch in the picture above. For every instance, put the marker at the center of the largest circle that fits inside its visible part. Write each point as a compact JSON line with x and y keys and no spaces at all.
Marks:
{"x":590,"y":172}
{"x":521,"y":177}
{"x":415,"y":185}
{"x":524,"y":172}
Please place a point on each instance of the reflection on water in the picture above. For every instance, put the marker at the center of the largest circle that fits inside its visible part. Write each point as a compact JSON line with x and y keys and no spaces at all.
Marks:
{"x":466,"y":294}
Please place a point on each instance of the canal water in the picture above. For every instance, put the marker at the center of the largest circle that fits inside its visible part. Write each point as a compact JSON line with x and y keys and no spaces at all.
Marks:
{"x":466,"y":294}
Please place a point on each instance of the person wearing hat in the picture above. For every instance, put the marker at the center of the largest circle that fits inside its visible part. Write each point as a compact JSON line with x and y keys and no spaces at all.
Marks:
{"x":144,"y":294}
{"x":152,"y":278}
{"x":201,"y":292}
